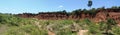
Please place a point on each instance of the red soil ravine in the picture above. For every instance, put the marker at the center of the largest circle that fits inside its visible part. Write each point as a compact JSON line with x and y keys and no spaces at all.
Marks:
{"x":100,"y":15}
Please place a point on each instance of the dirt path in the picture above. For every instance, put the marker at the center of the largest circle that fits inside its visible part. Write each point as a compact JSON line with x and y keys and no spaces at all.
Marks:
{"x":82,"y":32}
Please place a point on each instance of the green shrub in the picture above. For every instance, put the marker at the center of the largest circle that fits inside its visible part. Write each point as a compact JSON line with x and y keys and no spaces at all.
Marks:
{"x":116,"y":30}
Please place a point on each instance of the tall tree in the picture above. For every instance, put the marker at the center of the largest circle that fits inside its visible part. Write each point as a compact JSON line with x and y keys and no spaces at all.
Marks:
{"x":64,"y":11}
{"x":89,"y":3}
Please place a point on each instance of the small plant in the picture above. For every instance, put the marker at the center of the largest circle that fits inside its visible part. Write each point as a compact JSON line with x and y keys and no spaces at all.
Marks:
{"x":116,"y":30}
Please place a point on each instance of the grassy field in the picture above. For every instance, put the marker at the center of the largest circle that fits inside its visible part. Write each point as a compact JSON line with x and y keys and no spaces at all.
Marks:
{"x":13,"y":25}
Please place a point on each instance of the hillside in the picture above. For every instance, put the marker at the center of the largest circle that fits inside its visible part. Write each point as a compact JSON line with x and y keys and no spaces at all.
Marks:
{"x":98,"y":15}
{"x":79,"y":22}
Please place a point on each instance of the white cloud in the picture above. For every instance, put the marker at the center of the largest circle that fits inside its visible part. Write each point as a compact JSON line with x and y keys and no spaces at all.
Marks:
{"x":61,"y":6}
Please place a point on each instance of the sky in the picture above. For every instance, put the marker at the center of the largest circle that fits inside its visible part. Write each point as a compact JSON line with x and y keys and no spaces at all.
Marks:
{"x":35,"y":6}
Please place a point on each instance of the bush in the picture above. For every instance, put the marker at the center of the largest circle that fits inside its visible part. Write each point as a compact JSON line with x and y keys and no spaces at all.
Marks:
{"x":28,"y":29}
{"x":116,"y":30}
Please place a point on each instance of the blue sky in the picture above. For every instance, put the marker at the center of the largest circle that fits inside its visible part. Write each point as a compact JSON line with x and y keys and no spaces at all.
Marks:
{"x":35,"y":6}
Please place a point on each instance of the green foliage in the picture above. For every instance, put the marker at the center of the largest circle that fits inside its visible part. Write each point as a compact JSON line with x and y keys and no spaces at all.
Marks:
{"x":94,"y":29}
{"x":111,"y":22}
{"x":65,"y":32}
{"x":116,"y":30}
{"x":23,"y":26}
{"x":19,"y":26}
{"x":115,"y":7}
{"x":92,"y":11}
{"x":76,"y":12}
{"x":102,"y":25}
{"x":87,"y":21}
{"x":27,"y":29}
{"x":9,"y":19}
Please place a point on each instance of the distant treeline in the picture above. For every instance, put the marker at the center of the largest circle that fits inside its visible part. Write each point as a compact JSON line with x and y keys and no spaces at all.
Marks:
{"x":77,"y":11}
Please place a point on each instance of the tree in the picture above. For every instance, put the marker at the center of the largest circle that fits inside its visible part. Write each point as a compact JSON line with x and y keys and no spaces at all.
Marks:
{"x":119,"y":7}
{"x":101,"y":8}
{"x":76,"y":12}
{"x":92,"y":11}
{"x":85,"y":11}
{"x":89,"y":3}
{"x":114,"y":7}
{"x":64,"y":11}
